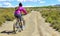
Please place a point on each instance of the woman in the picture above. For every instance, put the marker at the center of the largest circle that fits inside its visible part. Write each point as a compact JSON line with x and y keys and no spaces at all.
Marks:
{"x":18,"y":14}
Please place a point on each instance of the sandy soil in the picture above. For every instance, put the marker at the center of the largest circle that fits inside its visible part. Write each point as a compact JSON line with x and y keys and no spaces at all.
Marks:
{"x":34,"y":26}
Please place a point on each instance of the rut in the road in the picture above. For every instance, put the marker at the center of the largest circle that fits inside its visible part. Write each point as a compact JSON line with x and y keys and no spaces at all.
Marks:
{"x":34,"y":26}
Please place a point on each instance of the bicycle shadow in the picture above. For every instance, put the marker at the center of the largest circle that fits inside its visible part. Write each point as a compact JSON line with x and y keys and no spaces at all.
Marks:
{"x":7,"y":32}
{"x":11,"y":31}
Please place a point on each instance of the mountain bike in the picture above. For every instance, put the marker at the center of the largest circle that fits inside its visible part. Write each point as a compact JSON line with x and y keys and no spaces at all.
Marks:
{"x":18,"y":25}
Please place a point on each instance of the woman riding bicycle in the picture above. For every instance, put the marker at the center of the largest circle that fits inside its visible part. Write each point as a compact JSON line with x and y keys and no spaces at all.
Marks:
{"x":18,"y":14}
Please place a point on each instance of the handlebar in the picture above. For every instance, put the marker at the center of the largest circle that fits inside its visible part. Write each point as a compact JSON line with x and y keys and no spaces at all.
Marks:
{"x":23,"y":14}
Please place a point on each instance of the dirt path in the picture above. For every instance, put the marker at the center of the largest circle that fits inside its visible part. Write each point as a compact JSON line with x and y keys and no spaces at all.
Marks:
{"x":35,"y":26}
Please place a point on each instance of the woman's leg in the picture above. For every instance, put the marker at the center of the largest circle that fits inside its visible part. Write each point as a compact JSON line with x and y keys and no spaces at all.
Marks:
{"x":21,"y":25}
{"x":20,"y":21}
{"x":23,"y":22}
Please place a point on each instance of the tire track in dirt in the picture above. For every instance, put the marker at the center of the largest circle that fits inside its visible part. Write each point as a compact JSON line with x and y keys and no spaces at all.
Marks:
{"x":34,"y":26}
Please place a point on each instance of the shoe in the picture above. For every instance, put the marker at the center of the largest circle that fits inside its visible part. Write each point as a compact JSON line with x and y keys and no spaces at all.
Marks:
{"x":23,"y":27}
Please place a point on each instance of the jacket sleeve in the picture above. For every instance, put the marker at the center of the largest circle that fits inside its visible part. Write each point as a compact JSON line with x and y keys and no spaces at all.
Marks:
{"x":24,"y":11}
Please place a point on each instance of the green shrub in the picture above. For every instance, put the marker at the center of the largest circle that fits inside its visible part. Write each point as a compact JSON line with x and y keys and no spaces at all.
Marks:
{"x":2,"y":20}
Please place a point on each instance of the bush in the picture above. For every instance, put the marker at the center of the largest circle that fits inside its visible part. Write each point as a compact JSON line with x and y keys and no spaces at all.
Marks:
{"x":52,"y":16}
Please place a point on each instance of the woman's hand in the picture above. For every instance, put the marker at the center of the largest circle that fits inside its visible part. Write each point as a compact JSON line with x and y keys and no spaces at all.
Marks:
{"x":24,"y":14}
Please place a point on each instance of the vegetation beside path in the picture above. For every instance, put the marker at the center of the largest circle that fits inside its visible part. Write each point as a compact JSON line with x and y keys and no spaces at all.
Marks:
{"x":51,"y":15}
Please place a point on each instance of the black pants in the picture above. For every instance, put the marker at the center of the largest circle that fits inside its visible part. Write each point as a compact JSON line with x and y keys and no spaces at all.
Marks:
{"x":18,"y":16}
